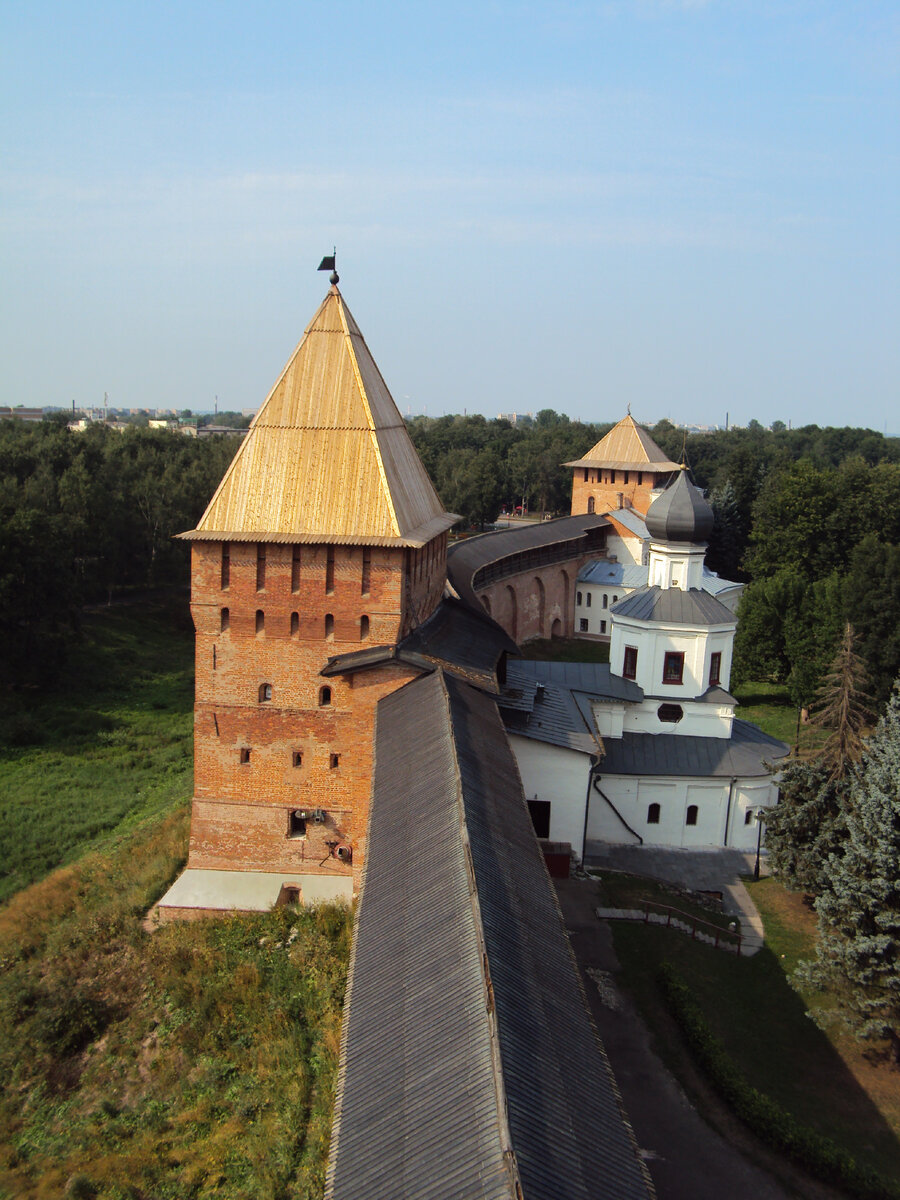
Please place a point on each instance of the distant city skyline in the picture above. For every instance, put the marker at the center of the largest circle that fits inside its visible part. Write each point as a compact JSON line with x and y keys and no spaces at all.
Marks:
{"x":685,"y":205}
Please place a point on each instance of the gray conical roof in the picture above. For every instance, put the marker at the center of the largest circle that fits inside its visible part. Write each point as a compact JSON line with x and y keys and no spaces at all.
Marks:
{"x":680,"y":514}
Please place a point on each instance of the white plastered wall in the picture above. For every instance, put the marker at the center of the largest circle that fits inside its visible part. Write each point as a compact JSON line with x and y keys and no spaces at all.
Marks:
{"x":560,"y":776}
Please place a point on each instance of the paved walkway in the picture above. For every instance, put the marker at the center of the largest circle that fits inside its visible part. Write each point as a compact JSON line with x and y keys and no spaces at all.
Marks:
{"x":695,"y":871}
{"x":686,"y":1158}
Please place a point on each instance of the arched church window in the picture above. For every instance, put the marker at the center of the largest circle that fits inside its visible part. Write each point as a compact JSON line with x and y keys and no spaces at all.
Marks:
{"x":691,"y":818}
{"x":653,"y":814}
{"x":592,"y":504}
{"x":265,"y":692}
{"x":324,"y":697}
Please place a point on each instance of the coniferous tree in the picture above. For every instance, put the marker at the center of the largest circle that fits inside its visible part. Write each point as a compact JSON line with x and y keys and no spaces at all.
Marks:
{"x":726,"y":542}
{"x":843,"y":707}
{"x":858,"y":952}
{"x":807,"y":826}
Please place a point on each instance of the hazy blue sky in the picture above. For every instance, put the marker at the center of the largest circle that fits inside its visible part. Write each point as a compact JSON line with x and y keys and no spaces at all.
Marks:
{"x":689,"y":206}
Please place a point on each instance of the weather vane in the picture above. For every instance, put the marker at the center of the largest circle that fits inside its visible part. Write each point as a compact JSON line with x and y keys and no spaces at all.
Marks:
{"x":327,"y":264}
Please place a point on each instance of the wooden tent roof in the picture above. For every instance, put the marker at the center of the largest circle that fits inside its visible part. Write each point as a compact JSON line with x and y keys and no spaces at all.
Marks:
{"x":626,"y":447}
{"x":328,"y":457}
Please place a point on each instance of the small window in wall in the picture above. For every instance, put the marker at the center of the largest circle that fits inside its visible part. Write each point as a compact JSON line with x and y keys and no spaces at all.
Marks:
{"x":540,"y":817}
{"x":588,"y":597}
{"x":245,"y":755}
{"x":585,"y":475}
{"x":329,"y":569}
{"x":670,"y":714}
{"x":295,"y":624}
{"x":363,"y":627}
{"x":297,"y":823}
{"x":615,"y":599}
{"x":224,"y":619}
{"x":748,"y":816}
{"x":226,"y":564}
{"x":625,"y":480}
{"x":295,"y":569}
{"x":640,"y":478}
{"x":329,"y":626}
{"x":260,"y":621}
{"x":606,"y":600}
{"x":691,"y":818}
{"x":629,"y":664}
{"x":578,"y":599}
{"x":583,"y":625}
{"x":324,"y":697}
{"x":715,"y":667}
{"x":265,"y":692}
{"x":334,"y":761}
{"x":297,"y":758}
{"x":366,"y":581}
{"x":592,"y":504}
{"x":260,"y":566}
{"x":603,"y":627}
{"x":653,"y":814}
{"x":673,"y":667}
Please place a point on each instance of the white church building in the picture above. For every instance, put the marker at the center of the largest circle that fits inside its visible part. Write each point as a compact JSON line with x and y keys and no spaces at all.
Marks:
{"x":646,"y":750}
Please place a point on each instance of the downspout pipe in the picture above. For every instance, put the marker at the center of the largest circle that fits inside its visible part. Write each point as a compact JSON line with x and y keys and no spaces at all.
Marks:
{"x":731,"y":784}
{"x":594,"y":782}
{"x":595,"y":765}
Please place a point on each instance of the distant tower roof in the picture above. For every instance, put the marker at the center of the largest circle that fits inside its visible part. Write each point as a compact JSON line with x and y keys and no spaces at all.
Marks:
{"x":328,"y":457}
{"x":680,"y":514}
{"x":626,"y":447}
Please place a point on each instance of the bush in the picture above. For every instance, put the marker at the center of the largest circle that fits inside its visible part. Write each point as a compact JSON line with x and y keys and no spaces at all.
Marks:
{"x":768,"y":1120}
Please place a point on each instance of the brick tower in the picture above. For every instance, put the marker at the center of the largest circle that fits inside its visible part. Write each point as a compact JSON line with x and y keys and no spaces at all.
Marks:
{"x":623,"y":470}
{"x":324,"y":537}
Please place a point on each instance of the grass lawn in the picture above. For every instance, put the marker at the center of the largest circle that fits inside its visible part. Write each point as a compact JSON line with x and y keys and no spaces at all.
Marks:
{"x":769,"y":706}
{"x":111,"y":744}
{"x":565,"y":650}
{"x":765,"y":1026}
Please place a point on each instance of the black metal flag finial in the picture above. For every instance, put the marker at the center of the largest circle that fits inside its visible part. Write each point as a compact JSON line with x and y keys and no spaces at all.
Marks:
{"x":327,"y":264}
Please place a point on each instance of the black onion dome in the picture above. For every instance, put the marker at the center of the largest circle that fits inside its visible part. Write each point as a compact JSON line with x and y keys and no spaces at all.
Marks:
{"x":680,"y":514}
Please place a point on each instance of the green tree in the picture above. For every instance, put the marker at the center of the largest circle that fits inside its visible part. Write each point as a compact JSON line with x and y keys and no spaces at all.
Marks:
{"x":806,"y":826}
{"x":858,"y":950}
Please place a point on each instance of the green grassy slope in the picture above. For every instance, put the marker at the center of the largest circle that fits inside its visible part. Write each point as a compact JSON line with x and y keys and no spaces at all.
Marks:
{"x":111,"y":744}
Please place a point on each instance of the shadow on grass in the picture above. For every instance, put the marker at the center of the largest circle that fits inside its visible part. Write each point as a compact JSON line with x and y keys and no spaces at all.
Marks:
{"x":765,"y":1027}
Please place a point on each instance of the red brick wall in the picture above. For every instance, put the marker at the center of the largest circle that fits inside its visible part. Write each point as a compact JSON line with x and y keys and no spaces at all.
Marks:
{"x":312,"y":606}
{"x":607,"y":486}
{"x":515,"y":602}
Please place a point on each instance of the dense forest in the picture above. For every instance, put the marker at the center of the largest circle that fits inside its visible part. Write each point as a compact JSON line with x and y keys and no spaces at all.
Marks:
{"x":84,"y":516}
{"x":809,"y":517}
